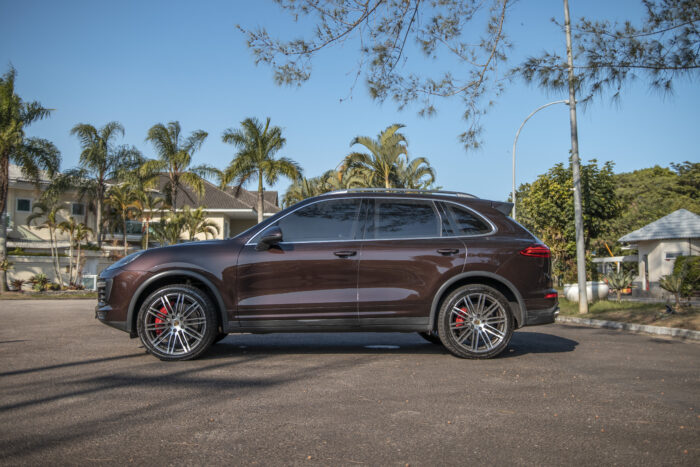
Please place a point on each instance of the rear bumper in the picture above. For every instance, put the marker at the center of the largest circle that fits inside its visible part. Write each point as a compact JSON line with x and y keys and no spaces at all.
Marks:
{"x":546,"y":316}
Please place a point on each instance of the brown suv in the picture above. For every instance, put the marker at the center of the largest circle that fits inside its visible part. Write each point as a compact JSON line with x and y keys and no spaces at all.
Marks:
{"x":449,"y":266}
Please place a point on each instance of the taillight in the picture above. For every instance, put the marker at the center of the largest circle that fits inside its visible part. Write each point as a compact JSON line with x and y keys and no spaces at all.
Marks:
{"x":538,"y":251}
{"x":551,"y":295}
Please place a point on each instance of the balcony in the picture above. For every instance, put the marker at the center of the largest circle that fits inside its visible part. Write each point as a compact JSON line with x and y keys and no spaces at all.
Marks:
{"x":134,"y":232}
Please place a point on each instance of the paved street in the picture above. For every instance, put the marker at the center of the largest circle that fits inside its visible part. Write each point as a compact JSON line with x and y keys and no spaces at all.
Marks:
{"x":73,"y":391}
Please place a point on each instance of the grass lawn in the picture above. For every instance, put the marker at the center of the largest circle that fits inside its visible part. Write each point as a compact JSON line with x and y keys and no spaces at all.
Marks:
{"x":653,"y":314}
{"x":48,"y":295}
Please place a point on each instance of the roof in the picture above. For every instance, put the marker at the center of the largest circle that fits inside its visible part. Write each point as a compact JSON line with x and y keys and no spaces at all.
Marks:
{"x":251,"y":198}
{"x":216,"y":198}
{"x":678,"y":224}
{"x":15,"y":174}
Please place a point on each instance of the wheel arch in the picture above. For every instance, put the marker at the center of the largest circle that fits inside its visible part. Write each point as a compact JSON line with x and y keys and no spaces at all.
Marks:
{"x":173,"y":277}
{"x":503,"y":285}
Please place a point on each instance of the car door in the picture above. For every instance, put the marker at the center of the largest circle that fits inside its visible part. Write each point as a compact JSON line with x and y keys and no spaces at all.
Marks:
{"x":309,"y":279}
{"x":407,"y":253}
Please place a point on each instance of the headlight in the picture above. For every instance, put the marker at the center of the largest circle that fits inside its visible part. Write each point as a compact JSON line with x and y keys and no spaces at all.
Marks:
{"x":126,"y":260}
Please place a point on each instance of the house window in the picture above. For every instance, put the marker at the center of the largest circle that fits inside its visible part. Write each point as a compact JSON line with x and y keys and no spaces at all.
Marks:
{"x":78,"y":209}
{"x":24,"y":204}
{"x":672,"y":256}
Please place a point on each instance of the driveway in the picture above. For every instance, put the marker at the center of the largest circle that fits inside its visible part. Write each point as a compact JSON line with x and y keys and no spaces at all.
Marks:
{"x":73,"y":391}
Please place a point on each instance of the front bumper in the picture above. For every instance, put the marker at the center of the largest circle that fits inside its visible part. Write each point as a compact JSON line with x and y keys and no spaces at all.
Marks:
{"x":114,"y":293}
{"x":103,"y":312}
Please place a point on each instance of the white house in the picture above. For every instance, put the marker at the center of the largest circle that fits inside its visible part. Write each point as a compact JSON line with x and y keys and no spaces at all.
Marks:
{"x":231,"y":211}
{"x":658,"y":245}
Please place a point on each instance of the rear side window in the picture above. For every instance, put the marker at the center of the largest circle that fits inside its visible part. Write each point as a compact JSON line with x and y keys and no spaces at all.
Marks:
{"x":466,"y":222}
{"x":403,"y":219}
{"x":324,"y":221}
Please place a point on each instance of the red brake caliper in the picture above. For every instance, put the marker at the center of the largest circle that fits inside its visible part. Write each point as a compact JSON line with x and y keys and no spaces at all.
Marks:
{"x":160,"y":326}
{"x":459,"y":320}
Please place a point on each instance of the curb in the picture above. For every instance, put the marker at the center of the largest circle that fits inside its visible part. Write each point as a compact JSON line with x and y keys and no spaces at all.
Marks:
{"x":637,"y":328}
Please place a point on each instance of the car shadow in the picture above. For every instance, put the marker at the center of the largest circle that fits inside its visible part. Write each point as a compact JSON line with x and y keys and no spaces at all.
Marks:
{"x":522,"y":343}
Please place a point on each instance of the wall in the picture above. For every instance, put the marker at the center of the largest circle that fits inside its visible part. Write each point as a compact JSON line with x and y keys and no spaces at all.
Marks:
{"x":27,"y":266}
{"x":237,"y":226}
{"x":28,"y":191}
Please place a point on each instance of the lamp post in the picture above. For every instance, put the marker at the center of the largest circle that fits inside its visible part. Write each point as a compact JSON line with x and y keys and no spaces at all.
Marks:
{"x":515,"y":141}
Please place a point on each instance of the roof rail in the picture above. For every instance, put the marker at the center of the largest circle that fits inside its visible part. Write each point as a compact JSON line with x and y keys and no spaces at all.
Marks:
{"x":400,"y":190}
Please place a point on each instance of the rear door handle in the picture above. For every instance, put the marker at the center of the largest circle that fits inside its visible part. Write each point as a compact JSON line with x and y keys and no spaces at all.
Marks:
{"x":345,"y":253}
{"x":448,"y":251}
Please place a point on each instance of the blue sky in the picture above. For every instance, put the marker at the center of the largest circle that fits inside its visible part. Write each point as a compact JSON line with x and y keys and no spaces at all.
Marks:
{"x":144,"y":62}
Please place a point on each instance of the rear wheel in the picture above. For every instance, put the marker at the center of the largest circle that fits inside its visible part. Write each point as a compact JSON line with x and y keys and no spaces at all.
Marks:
{"x":474,"y":322}
{"x":177,"y":322}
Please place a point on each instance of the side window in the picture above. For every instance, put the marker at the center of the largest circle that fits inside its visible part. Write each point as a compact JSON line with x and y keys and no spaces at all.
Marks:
{"x":323,"y":221}
{"x":466,"y":222}
{"x":447,"y":227}
{"x":404,"y":219}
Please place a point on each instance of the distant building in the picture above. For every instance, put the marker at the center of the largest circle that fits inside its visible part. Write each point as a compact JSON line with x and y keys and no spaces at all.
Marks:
{"x":660,"y":243}
{"x":232,"y":212}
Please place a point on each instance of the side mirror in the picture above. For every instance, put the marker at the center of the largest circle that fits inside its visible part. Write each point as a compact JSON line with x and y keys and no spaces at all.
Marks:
{"x":271,"y":236}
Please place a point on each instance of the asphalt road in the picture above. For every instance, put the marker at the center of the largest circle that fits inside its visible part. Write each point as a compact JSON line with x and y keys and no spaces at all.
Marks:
{"x":73,"y":391}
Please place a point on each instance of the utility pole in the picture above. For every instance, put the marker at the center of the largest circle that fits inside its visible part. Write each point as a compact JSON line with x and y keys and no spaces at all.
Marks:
{"x":576,"y":169}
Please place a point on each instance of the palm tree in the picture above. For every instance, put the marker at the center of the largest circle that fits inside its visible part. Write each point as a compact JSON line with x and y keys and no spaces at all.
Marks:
{"x":81,"y":234}
{"x":303,"y":188}
{"x":69,"y":227}
{"x":385,"y":154}
{"x":148,"y":206}
{"x":167,"y":230}
{"x":175,"y":158}
{"x":100,"y":162}
{"x":195,"y":222}
{"x":257,"y":145}
{"x":48,"y":208}
{"x":415,"y":173}
{"x":122,"y":198}
{"x":619,"y":280}
{"x":32,"y":155}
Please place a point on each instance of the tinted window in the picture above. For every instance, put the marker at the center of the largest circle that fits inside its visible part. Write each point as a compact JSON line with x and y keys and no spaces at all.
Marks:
{"x":404,"y":219}
{"x":465,"y":221}
{"x":447,"y":228}
{"x":327,"y":220}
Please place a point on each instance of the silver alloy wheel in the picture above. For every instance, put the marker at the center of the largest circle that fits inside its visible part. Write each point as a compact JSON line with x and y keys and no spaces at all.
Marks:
{"x":478,"y":322}
{"x":175,"y":323}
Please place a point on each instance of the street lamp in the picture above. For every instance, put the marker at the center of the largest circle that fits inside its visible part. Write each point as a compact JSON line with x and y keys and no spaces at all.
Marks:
{"x":518,"y":134}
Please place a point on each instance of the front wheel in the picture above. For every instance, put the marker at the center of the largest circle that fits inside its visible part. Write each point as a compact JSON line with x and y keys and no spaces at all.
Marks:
{"x":177,"y":322}
{"x":474,"y":322}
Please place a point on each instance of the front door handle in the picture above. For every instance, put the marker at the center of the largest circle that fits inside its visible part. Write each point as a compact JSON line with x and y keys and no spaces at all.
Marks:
{"x":345,"y":253}
{"x":448,"y":251}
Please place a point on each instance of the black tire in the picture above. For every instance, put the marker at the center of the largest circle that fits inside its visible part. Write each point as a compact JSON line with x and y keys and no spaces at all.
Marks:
{"x":475,"y":322}
{"x":219,"y":337}
{"x":431,"y":337}
{"x":177,"y":322}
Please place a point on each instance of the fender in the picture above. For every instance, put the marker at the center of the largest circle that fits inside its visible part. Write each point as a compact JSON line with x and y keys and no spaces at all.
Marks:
{"x":175,"y":272}
{"x":521,"y":313}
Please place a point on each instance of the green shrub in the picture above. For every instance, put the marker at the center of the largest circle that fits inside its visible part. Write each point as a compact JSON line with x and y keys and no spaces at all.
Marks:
{"x":689,"y":267}
{"x":39,"y":282}
{"x":619,"y":280}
